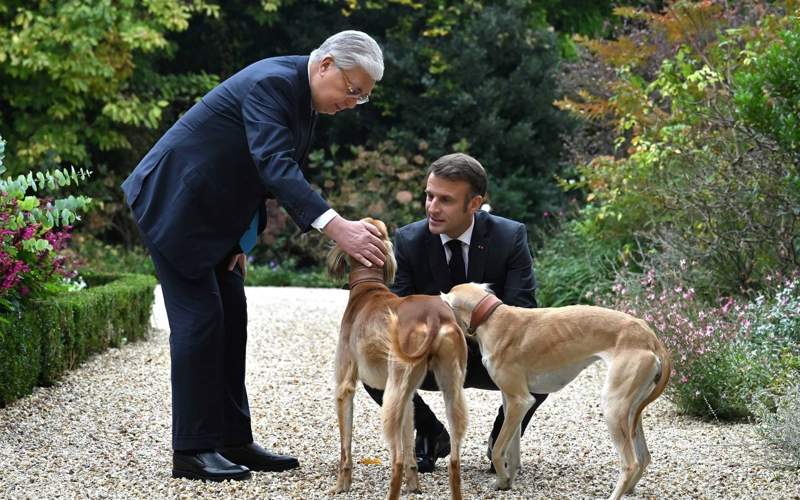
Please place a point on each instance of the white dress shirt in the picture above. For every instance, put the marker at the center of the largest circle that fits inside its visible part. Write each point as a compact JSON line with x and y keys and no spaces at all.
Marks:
{"x":465,"y":239}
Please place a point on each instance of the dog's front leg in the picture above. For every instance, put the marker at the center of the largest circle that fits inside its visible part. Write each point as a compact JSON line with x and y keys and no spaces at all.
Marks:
{"x":346,"y":376}
{"x":514,"y":408}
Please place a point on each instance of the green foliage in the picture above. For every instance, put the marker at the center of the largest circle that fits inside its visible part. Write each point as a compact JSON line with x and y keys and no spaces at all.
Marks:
{"x":100,"y":257}
{"x":728,"y":357}
{"x":726,"y":382}
{"x":81,"y":83}
{"x":34,"y":229}
{"x":378,"y":183}
{"x":67,"y":73}
{"x":780,"y":427}
{"x":766,"y":85}
{"x":40,"y":343}
{"x":692,"y":177}
{"x":574,"y":269}
{"x":470,"y":76}
{"x":286,"y":274}
{"x":485,"y":89}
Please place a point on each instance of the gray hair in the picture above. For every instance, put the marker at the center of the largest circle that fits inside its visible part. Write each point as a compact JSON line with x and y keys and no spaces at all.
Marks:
{"x":351,"y":49}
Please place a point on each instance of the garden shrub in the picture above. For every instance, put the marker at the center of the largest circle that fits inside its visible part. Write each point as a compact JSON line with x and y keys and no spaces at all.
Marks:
{"x":34,"y":229}
{"x":380,"y":183}
{"x":38,"y":344}
{"x":286,"y":274}
{"x":725,"y":355}
{"x":92,"y":253}
{"x":697,"y":172}
{"x":779,"y":426}
{"x":573,"y":268}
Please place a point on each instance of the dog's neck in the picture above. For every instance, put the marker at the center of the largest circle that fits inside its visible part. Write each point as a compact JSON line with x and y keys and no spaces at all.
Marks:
{"x":483,"y":309}
{"x":363,"y":274}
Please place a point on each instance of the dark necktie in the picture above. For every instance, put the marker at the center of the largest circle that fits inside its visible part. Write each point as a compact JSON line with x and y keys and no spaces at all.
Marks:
{"x":457,"y":273}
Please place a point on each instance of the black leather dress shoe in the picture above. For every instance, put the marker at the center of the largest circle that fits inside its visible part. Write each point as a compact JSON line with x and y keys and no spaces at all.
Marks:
{"x":429,"y":448}
{"x":206,"y":466}
{"x":257,"y":458}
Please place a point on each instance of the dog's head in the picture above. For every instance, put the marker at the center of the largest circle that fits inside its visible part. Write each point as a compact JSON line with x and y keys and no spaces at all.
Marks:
{"x":337,"y":257}
{"x":464,"y":298}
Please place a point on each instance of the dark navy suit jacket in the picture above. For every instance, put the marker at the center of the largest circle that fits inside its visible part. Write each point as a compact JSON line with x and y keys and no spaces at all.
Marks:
{"x":194,"y":194}
{"x":498,"y":255}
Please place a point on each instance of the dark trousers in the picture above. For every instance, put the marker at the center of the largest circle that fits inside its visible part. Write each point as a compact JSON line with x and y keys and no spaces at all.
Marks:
{"x":425,"y":421}
{"x":208,"y":337}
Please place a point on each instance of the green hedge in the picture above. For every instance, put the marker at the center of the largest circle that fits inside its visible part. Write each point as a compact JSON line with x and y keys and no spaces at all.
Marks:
{"x":289,"y":276}
{"x":57,"y":334}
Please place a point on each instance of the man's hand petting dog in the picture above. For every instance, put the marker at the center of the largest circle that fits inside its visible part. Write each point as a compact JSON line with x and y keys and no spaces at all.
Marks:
{"x":358,"y":239}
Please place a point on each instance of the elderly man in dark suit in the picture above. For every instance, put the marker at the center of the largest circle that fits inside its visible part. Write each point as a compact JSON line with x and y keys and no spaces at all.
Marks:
{"x":459,"y":243}
{"x":198,"y":197}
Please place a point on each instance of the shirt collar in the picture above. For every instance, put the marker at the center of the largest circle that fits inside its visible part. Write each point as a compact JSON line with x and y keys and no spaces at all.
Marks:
{"x":308,"y":71}
{"x":466,"y":236}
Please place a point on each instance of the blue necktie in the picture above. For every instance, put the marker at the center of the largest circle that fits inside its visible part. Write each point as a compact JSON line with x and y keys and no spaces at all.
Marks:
{"x":250,"y":236}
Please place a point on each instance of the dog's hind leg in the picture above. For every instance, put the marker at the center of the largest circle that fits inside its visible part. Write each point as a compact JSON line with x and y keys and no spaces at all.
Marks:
{"x":642,"y":453}
{"x":450,"y":379}
{"x":629,"y":381}
{"x":400,"y":387}
{"x":346,"y":376}
{"x":410,"y":459}
{"x":515,"y":407}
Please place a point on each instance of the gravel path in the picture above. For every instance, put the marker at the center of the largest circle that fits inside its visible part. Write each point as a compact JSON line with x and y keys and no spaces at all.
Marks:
{"x":103,"y":432}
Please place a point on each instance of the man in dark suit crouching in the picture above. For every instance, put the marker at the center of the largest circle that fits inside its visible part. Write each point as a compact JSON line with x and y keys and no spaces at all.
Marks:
{"x":458,"y":243}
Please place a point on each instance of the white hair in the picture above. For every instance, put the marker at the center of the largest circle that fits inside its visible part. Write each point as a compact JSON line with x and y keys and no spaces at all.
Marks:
{"x":351,"y":49}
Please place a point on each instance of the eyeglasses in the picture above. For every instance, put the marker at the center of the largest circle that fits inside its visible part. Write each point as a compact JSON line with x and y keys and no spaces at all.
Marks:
{"x":360,"y":99}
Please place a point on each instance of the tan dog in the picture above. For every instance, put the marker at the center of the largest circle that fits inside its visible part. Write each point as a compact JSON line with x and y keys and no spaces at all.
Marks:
{"x":378,"y":330}
{"x":543,"y":350}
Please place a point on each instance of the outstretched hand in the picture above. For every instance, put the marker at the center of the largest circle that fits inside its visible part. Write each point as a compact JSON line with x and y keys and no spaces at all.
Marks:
{"x":358,"y":239}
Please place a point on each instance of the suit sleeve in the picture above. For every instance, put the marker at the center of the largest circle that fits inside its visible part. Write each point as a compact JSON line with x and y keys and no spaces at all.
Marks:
{"x":403,"y":281}
{"x":520,"y":286}
{"x":265,"y":112}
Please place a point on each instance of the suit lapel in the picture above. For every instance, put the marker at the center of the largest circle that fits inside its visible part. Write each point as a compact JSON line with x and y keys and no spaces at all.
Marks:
{"x":477,"y":251}
{"x":438,"y":262}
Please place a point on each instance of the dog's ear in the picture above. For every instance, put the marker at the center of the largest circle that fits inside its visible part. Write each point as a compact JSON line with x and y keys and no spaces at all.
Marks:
{"x":378,"y":224}
{"x":336,"y":261}
{"x":382,"y":228}
{"x":390,"y":266}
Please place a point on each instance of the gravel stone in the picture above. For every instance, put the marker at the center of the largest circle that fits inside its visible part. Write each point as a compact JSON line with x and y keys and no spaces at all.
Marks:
{"x":104,"y":430}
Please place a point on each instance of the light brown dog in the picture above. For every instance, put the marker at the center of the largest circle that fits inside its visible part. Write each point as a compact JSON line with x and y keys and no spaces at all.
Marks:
{"x":543,"y":350}
{"x":378,"y":331}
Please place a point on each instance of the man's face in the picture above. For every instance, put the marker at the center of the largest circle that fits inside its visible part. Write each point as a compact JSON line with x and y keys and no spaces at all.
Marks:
{"x":334,"y":89}
{"x":448,"y":206}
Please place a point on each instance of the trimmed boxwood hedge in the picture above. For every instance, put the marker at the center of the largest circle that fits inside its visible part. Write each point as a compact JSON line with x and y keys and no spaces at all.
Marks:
{"x":57,"y":334}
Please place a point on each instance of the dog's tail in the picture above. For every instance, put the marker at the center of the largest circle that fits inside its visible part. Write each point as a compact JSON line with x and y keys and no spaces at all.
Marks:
{"x":665,"y":362}
{"x":402,"y":337}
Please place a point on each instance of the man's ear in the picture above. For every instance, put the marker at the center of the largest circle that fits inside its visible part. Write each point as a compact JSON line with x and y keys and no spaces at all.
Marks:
{"x":325,"y":64}
{"x":474,"y":204}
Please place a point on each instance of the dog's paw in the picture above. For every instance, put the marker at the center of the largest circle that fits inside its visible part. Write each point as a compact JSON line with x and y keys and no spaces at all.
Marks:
{"x":502,"y":484}
{"x":339,"y":488}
